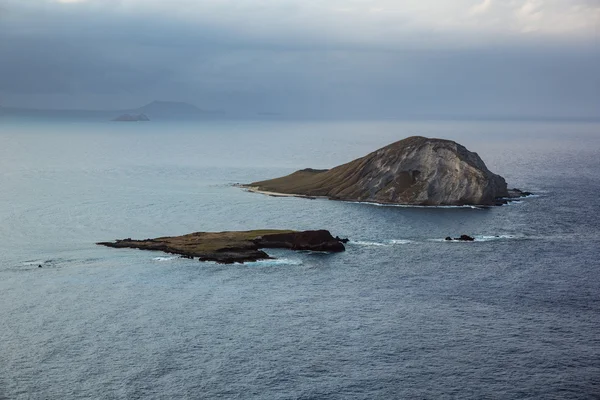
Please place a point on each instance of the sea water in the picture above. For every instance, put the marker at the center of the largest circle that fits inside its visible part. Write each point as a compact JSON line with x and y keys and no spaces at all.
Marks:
{"x":400,"y":314}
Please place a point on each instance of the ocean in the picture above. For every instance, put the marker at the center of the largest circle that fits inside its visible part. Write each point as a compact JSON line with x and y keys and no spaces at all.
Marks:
{"x":400,"y":315}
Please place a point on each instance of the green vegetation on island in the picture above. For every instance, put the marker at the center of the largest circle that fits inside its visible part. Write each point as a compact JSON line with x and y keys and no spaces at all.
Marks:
{"x":231,"y":247}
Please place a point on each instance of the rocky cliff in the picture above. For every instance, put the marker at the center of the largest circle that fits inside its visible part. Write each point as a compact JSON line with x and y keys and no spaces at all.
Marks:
{"x":416,"y":170}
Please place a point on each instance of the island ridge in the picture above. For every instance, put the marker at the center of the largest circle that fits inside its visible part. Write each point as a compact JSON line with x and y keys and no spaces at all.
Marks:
{"x":413,"y":171}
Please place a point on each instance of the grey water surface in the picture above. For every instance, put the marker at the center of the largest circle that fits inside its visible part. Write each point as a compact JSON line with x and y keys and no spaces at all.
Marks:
{"x":400,"y":314}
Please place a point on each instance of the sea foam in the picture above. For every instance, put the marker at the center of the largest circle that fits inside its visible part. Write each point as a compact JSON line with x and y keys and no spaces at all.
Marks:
{"x":481,"y":238}
{"x":370,"y":203}
{"x":161,"y":259}
{"x":274,"y":262}
{"x":385,"y":243}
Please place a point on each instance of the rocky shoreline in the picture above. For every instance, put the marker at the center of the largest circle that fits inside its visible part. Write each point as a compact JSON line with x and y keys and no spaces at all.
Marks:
{"x":512,"y":195}
{"x":235,"y":247}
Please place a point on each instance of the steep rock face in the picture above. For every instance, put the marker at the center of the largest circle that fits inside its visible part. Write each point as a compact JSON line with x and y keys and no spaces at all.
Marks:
{"x":416,"y":170}
{"x":320,"y":240}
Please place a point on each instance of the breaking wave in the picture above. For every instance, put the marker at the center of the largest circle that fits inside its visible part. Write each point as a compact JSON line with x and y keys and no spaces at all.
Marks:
{"x":400,"y":241}
{"x":482,"y":238}
{"x":386,"y":243}
{"x":276,"y":261}
{"x":160,"y":259}
{"x":489,"y":238}
{"x":53,"y":262}
{"x":33,"y":262}
{"x":411,"y":205}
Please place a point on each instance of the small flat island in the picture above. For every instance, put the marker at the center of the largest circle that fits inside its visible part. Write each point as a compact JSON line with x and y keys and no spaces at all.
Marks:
{"x":235,"y":247}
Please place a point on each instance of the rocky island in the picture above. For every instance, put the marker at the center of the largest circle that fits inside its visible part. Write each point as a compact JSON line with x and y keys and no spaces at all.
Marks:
{"x":413,"y":171}
{"x":232,"y":247}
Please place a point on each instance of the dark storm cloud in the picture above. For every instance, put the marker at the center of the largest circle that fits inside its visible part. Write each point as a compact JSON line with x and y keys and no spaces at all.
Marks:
{"x":45,"y":65}
{"x":74,"y":55}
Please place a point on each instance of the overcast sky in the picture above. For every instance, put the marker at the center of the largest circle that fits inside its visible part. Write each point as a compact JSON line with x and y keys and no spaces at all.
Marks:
{"x":356,"y":58}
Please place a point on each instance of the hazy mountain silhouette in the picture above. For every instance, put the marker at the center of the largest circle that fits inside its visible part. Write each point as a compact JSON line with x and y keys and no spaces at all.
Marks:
{"x":170,"y":109}
{"x":156,"y":110}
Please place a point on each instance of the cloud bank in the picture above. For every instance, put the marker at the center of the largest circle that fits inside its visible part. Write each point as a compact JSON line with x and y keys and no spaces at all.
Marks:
{"x":347,"y":58}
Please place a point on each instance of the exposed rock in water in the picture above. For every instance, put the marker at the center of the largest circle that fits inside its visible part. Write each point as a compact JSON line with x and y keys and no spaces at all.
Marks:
{"x":515,"y":193}
{"x":345,"y":240}
{"x":462,"y":238}
{"x":416,"y":170}
{"x":231,"y":247}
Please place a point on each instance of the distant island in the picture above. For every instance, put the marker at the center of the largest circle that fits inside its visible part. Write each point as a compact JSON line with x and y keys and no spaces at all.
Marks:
{"x":132,"y":118}
{"x":171,"y":109}
{"x":237,"y":246}
{"x":156,"y":110}
{"x":414,"y":171}
{"x":162,"y":110}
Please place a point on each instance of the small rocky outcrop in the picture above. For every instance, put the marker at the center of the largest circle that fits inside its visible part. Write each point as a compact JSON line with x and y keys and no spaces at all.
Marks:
{"x":513,"y":195}
{"x":462,"y":238}
{"x":416,"y":170}
{"x":232,"y":247}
